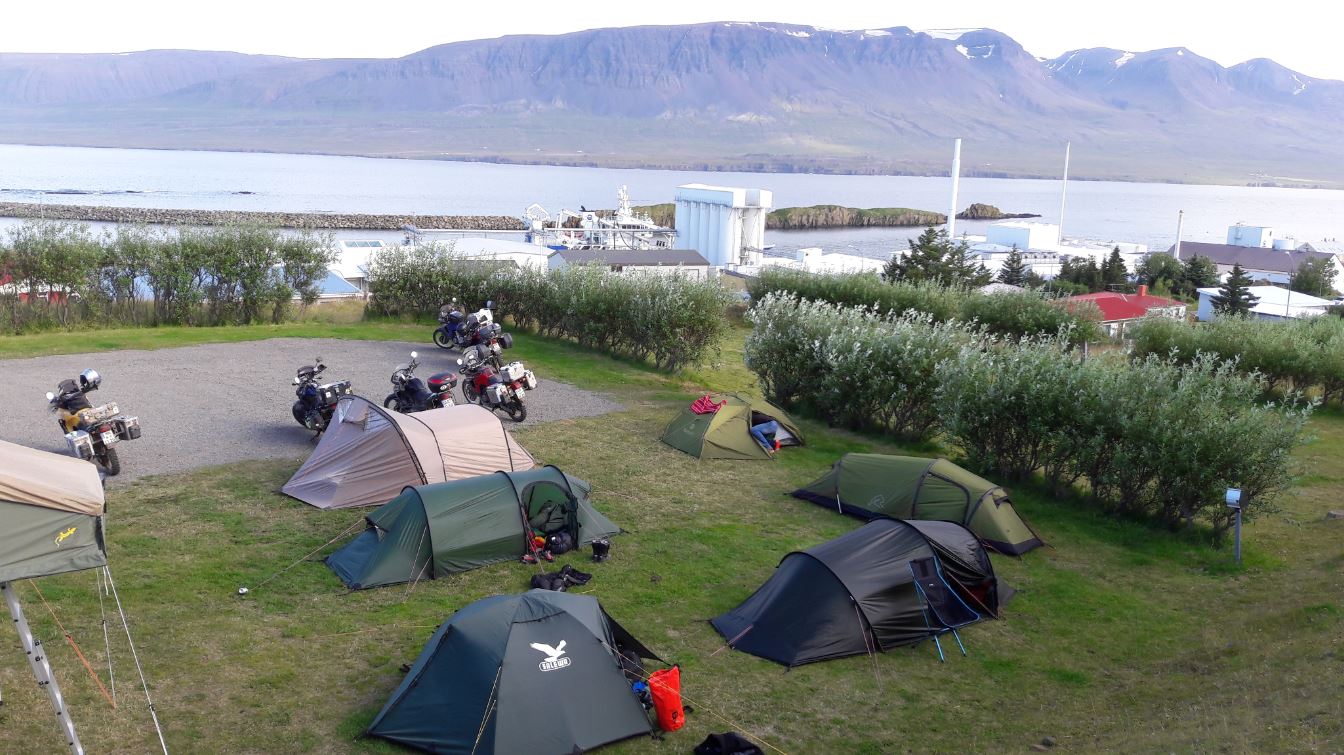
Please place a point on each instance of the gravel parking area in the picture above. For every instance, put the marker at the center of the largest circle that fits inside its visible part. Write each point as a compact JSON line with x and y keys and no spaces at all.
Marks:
{"x":219,"y":403}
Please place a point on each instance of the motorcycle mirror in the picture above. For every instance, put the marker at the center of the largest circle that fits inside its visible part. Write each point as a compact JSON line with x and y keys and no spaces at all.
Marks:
{"x":51,"y":396}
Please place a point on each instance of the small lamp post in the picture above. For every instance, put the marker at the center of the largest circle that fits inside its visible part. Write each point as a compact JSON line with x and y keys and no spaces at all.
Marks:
{"x":1234,"y":502}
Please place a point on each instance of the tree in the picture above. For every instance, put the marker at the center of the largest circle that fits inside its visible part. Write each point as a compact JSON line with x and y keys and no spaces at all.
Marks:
{"x":1314,"y":276}
{"x":1113,"y":270}
{"x":1198,"y":272}
{"x":935,"y":258}
{"x":1014,"y":270}
{"x":1083,"y":273}
{"x":1160,"y":271}
{"x":1235,"y":297}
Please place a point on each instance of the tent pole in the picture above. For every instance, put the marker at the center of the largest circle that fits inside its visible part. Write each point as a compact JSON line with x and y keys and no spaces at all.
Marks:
{"x":37,"y":659}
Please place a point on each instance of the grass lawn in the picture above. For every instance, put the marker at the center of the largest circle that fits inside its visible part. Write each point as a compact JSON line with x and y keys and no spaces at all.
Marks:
{"x":1121,"y":638}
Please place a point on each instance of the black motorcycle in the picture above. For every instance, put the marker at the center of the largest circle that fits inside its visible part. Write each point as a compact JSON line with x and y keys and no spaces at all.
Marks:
{"x":411,"y":394}
{"x":91,"y":431}
{"x":450,"y":333}
{"x":316,"y":401}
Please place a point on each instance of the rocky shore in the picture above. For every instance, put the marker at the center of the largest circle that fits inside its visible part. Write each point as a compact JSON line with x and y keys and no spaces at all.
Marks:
{"x":314,"y":220}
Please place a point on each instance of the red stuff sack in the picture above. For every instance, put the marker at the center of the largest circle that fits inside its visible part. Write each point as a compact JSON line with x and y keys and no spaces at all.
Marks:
{"x":665,"y":687}
{"x":706,"y":405}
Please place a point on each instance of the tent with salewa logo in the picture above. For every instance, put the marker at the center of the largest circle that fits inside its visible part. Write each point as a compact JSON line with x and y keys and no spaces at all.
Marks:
{"x":368,"y":453}
{"x":534,"y":673}
{"x":430,"y":531}
{"x":886,"y":584}
{"x":913,"y":487}
{"x":719,"y":427}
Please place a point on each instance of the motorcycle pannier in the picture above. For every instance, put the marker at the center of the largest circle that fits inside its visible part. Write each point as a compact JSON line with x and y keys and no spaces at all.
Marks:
{"x":496,"y":393}
{"x":80,"y":444}
{"x":513,"y":371}
{"x":530,"y":380}
{"x":127,"y":428}
{"x":329,"y":393}
{"x":506,"y":340}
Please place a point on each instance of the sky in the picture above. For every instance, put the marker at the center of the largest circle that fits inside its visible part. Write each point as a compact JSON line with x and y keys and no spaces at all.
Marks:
{"x":1300,"y":34}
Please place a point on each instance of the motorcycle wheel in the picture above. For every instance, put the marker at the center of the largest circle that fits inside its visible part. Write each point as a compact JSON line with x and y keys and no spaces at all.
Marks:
{"x":110,"y":462}
{"x":517,"y":409}
{"x":469,"y":392}
{"x":299,"y":412}
{"x":442,"y":340}
{"x":392,"y":403}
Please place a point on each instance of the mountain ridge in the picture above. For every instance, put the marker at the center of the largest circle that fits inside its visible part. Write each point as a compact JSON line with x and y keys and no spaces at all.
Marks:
{"x":729,"y":94}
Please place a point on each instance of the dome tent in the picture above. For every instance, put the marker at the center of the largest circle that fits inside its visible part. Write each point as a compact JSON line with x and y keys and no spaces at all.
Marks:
{"x":533,"y":673}
{"x":912,"y":487}
{"x":725,"y":433}
{"x":368,"y":453}
{"x":431,"y":531}
{"x":857,"y":593}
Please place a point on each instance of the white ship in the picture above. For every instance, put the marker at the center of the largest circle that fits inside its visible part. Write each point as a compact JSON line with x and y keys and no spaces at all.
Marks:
{"x":589,"y":229}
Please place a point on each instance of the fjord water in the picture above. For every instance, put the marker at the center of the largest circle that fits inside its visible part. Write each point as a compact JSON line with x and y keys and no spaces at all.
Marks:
{"x":1101,"y":211}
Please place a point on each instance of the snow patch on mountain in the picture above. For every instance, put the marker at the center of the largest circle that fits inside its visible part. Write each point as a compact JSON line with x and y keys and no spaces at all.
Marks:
{"x":1123,"y":59}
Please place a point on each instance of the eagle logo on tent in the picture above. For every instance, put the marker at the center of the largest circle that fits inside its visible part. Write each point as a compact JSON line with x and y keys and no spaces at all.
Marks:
{"x":553,"y":656}
{"x":67,"y":533}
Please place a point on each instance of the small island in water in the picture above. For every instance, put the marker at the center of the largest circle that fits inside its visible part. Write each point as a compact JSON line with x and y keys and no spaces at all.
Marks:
{"x":835,"y":216}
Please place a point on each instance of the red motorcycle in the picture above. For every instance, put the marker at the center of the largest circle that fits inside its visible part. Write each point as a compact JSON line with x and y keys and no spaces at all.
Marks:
{"x":494,"y":385}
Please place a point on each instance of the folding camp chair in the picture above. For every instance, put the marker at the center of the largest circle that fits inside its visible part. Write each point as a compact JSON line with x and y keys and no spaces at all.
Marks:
{"x":944,"y":610}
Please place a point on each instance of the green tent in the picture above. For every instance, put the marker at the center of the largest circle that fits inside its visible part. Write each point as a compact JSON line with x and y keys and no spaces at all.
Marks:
{"x":537,"y":673}
{"x":726,"y":432}
{"x":51,"y":514}
{"x":433,"y":530}
{"x":912,"y":487}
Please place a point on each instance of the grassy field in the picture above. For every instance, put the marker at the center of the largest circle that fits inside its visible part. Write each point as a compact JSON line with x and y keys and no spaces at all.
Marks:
{"x":1121,"y":638}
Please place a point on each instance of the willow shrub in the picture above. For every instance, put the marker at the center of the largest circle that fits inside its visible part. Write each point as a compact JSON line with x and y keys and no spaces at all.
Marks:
{"x":672,"y":320}
{"x":138,"y":276}
{"x":1007,"y":314}
{"x":1299,"y":354}
{"x":1154,"y":437}
{"x":856,"y":366}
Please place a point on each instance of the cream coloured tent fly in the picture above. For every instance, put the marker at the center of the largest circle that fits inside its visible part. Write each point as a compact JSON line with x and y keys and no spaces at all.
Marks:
{"x":368,"y":453}
{"x":51,"y":514}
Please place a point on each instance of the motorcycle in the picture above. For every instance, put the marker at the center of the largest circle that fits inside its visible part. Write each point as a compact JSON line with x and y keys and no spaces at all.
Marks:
{"x":316,"y":401}
{"x":411,"y":394}
{"x":495,"y":386}
{"x":91,"y":431}
{"x":458,"y":330}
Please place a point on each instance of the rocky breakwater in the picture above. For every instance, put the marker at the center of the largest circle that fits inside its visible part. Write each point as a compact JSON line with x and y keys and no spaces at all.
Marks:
{"x":313,"y":220}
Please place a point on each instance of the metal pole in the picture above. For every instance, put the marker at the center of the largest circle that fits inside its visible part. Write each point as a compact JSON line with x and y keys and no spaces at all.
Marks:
{"x":1238,"y":535}
{"x":1287,"y":305}
{"x":37,"y":659}
{"x":1180,"y":220}
{"x":1064,"y":191}
{"x":956,"y":176}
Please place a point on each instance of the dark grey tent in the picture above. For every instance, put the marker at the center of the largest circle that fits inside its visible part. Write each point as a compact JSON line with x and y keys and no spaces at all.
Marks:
{"x":857,"y":593}
{"x":537,"y":673}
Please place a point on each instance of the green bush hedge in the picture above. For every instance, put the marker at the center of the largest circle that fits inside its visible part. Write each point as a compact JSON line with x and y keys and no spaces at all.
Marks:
{"x":1007,"y":314}
{"x":139,"y":276}
{"x":1299,"y":354}
{"x":1154,"y":437}
{"x":672,"y":320}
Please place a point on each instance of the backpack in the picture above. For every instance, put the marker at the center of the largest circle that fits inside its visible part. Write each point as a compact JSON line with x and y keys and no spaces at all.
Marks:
{"x":728,"y":743}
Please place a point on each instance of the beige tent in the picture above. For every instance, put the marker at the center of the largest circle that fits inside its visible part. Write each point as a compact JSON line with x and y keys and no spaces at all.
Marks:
{"x":368,"y":453}
{"x":51,"y":510}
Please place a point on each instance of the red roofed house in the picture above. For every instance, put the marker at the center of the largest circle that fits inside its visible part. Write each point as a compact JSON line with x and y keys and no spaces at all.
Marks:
{"x":1118,"y":310}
